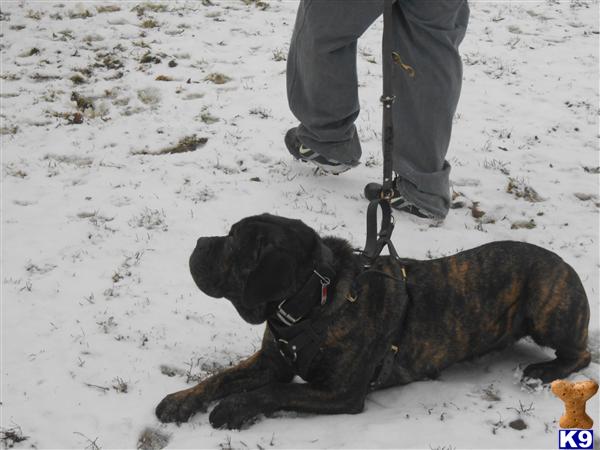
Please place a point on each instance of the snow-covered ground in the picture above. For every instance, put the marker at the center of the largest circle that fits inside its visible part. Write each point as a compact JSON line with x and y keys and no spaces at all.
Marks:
{"x":100,"y":318}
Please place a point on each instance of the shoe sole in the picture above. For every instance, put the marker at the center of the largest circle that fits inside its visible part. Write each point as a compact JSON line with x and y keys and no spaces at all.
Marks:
{"x":338,"y":168}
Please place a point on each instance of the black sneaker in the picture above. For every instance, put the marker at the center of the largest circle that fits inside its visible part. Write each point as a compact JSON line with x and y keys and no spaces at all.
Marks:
{"x":300,"y":152}
{"x":397,"y":202}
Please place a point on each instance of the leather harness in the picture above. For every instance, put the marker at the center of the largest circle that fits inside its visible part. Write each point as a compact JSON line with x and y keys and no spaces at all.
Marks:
{"x":299,"y":331}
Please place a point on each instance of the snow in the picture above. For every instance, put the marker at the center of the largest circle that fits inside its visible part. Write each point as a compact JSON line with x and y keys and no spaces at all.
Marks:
{"x":96,"y":230}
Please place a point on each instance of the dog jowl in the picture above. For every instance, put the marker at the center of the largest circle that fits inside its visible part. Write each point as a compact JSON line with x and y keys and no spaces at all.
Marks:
{"x":348,"y":331}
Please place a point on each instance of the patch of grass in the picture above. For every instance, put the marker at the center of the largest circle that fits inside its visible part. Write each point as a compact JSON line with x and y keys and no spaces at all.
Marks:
{"x":149,"y":58}
{"x":92,"y":37}
{"x":91,"y":444}
{"x":203,"y":195}
{"x":590,"y":169}
{"x":108,"y":8}
{"x":523,"y":409}
{"x":490,"y":393}
{"x":475,"y":211}
{"x":217,"y":78}
{"x":142,"y":8}
{"x":527,"y":224}
{"x":263,"y":113}
{"x":150,"y":219}
{"x":520,"y":189}
{"x":11,"y":436}
{"x":108,"y":61}
{"x":80,"y":13}
{"x":34,"y":268}
{"x":12,"y":171}
{"x":64,"y":35}
{"x":120,"y":386}
{"x":149,"y":23}
{"x":141,"y":44}
{"x":109,"y":324}
{"x":494,"y":164}
{"x":279,"y":55}
{"x":9,"y":76}
{"x":77,"y":161}
{"x":35,"y":15}
{"x":85,"y":71}
{"x":82,"y":102}
{"x":152,"y":439}
{"x":149,"y":96}
{"x":9,"y":130}
{"x":78,"y":79}
{"x":584,"y":197}
{"x":164,"y":78}
{"x":185,"y":144}
{"x":208,"y":118}
{"x":260,"y":4}
{"x":41,"y":77}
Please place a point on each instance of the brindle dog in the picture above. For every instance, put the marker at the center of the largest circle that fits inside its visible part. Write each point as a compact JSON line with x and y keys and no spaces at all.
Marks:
{"x":448,"y":310}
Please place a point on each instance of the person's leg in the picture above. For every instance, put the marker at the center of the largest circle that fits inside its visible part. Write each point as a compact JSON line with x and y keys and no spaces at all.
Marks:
{"x":428,"y":34}
{"x":322,"y":82}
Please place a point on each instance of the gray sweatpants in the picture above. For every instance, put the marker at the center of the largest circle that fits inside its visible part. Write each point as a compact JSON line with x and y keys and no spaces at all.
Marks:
{"x":323,"y":86}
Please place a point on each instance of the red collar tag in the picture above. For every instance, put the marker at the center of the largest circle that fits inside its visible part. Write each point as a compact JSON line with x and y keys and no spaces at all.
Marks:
{"x":323,"y":294}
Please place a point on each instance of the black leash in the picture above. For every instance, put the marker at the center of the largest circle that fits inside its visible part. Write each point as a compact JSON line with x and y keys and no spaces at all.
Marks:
{"x":377,"y":240}
{"x":297,"y":333}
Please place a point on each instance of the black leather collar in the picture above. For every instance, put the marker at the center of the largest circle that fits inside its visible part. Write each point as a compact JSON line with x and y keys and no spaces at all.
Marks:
{"x":313,"y":292}
{"x":297,"y":334}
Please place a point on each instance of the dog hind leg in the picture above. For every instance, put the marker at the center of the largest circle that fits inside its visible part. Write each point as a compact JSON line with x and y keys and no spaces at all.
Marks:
{"x":560,"y":321}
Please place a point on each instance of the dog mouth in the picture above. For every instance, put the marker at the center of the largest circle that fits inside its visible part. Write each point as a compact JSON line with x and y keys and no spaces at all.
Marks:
{"x":254,"y":316}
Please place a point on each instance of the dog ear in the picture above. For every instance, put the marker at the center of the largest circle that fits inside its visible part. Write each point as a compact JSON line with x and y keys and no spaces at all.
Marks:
{"x":271,"y":278}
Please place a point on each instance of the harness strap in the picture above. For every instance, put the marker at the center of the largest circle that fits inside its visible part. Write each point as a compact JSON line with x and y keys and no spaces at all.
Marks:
{"x":300,"y":348}
{"x":294,"y":332}
{"x":389,"y":362}
{"x":385,"y":369}
{"x":377,"y":240}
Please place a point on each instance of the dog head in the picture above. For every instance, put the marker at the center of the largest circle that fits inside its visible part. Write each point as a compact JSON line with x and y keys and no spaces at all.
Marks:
{"x":260,"y":262}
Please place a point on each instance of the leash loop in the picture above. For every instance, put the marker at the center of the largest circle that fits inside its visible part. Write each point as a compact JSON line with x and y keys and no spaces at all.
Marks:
{"x":376,"y":240}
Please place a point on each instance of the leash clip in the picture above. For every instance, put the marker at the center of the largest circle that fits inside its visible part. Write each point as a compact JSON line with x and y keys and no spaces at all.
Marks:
{"x":325,"y":281}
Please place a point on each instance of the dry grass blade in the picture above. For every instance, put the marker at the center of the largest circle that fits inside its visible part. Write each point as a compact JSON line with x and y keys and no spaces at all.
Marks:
{"x":185,"y":144}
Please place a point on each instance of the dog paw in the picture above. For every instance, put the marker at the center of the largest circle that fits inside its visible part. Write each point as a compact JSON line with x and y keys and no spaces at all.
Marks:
{"x":546,"y":372}
{"x":234,"y":412}
{"x":177,"y":407}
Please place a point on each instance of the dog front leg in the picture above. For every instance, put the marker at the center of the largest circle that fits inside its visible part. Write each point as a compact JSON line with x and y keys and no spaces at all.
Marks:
{"x":235,"y":410}
{"x":252,"y":373}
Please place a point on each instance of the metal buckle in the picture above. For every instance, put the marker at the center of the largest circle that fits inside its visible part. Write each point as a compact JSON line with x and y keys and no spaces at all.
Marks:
{"x":290,"y":353}
{"x":286,"y":318}
{"x":386,"y":195}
